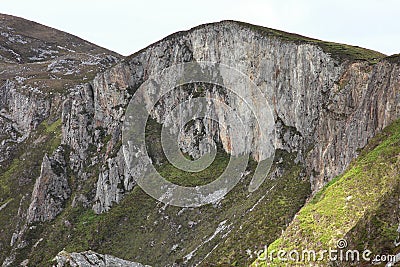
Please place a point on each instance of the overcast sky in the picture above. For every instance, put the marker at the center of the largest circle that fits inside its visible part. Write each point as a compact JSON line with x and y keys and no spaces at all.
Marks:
{"x":126,"y":26}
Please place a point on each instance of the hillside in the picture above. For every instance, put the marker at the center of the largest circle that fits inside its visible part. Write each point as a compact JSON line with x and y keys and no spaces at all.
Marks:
{"x":24,"y":41}
{"x":360,"y":206}
{"x":70,"y":188}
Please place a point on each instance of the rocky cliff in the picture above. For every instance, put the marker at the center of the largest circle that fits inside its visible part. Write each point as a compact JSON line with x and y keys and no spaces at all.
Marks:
{"x":334,"y":105}
{"x":327,"y":101}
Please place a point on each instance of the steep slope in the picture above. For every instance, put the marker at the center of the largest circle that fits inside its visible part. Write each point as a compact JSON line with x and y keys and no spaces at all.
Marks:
{"x":327,"y":100}
{"x":361,"y":206}
{"x":39,"y":68}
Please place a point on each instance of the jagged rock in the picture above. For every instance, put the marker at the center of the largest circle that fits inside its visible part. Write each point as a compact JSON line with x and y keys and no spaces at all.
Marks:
{"x":77,"y":128}
{"x":39,"y":65}
{"x":90,"y":258}
{"x":51,"y":189}
{"x":25,"y":112}
{"x":20,"y":115}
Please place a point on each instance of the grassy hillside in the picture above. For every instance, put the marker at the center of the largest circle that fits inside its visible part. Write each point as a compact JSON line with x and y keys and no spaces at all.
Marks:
{"x":16,"y":181}
{"x":143,"y":230}
{"x":25,"y":41}
{"x":360,"y":206}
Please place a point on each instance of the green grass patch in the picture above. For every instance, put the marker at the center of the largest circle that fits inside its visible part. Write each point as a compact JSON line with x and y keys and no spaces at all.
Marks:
{"x":5,"y":179}
{"x":183,"y":178}
{"x":53,"y":127}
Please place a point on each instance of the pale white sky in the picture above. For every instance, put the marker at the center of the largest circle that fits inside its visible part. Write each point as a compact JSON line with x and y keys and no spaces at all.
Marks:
{"x":126,"y":26}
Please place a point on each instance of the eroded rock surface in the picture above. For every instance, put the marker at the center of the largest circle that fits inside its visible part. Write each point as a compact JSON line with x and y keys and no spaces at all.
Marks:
{"x":51,"y":189}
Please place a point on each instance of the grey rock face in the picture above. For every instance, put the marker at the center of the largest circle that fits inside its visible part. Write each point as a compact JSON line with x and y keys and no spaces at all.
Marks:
{"x":325,"y":110}
{"x":39,"y":67}
{"x":21,"y":111}
{"x":25,"y":110}
{"x":364,"y":100}
{"x":77,"y":126}
{"x":51,"y":189}
{"x":90,"y":258}
{"x":112,"y":184}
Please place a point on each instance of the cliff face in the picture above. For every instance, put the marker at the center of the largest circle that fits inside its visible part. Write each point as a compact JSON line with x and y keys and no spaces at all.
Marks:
{"x":333,"y":106}
{"x":327,"y":101}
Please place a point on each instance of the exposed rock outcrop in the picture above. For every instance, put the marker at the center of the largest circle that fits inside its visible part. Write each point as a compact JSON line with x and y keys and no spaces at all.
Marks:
{"x":109,"y":190}
{"x":51,"y":189}
{"x":90,"y":258}
{"x":21,"y":111}
{"x":39,"y":67}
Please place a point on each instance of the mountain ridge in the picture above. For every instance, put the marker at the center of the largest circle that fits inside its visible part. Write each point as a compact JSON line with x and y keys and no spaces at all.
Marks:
{"x":341,"y":50}
{"x":45,"y":34}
